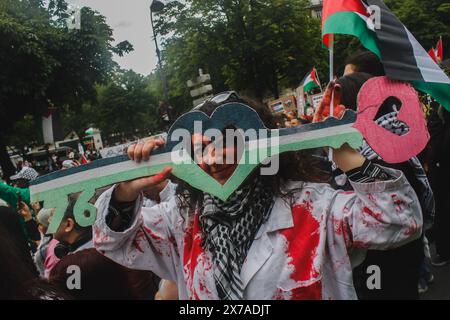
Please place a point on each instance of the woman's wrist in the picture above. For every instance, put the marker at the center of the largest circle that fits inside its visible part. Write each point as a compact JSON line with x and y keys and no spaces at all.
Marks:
{"x":347,"y":158}
{"x":123,"y":193}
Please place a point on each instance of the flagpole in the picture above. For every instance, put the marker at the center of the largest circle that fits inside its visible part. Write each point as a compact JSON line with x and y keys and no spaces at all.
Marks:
{"x":318,"y":79}
{"x":332,"y":71}
{"x":330,"y":151}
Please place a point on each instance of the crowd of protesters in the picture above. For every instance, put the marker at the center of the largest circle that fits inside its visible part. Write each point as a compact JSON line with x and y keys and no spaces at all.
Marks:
{"x":159,"y":238}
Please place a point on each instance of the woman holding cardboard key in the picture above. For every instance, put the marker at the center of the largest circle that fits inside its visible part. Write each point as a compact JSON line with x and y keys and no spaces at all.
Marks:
{"x":284,"y":236}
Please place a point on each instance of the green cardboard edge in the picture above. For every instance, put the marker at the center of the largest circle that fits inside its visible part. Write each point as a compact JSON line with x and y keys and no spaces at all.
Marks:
{"x":189,"y":172}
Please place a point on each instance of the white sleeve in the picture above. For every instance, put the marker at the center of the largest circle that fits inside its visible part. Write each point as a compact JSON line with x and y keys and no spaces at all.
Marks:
{"x":148,"y":244}
{"x":379,"y":215}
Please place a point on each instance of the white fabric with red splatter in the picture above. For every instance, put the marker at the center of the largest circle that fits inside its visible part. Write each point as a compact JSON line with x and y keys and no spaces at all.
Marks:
{"x":304,"y":251}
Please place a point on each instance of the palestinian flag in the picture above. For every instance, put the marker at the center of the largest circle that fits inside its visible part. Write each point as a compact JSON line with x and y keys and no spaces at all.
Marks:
{"x":437,"y":54}
{"x":311,"y":81}
{"x":402,"y":56}
{"x":84,"y":160}
{"x":432,"y":54}
{"x":440,"y":50}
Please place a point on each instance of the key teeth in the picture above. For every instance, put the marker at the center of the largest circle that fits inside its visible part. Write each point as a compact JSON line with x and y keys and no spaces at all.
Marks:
{"x":59,"y":203}
{"x":82,"y":205}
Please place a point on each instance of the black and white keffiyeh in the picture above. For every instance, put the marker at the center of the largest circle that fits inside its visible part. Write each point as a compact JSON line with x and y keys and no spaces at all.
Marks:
{"x":390,"y":122}
{"x":229,"y":229}
{"x":26,"y":173}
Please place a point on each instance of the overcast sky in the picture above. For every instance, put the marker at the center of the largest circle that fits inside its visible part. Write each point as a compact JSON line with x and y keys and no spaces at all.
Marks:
{"x":130,"y":20}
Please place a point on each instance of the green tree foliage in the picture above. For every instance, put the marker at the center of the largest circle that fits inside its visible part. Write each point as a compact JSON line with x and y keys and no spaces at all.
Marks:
{"x":126,"y":107}
{"x":426,"y":19}
{"x":254,"y":46}
{"x":44,"y":63}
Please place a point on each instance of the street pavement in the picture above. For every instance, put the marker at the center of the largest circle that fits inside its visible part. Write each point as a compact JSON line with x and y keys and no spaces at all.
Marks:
{"x":440,"y":288}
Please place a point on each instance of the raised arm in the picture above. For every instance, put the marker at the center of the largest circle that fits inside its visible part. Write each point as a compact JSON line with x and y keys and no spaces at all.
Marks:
{"x":382,"y":212}
{"x":136,"y":237}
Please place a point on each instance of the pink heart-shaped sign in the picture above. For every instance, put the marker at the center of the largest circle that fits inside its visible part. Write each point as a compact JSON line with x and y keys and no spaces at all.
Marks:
{"x":390,"y":147}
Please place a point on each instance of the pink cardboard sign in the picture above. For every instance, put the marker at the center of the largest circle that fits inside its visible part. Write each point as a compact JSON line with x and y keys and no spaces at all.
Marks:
{"x":390,"y":147}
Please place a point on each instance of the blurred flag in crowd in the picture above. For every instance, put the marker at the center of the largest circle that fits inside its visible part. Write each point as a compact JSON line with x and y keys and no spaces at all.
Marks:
{"x":311,"y":81}
{"x":437,"y":54}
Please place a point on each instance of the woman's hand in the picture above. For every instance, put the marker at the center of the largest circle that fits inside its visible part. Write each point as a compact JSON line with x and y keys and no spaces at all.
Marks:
{"x":130,"y":190}
{"x":345,"y":157}
{"x":323,"y":111}
{"x":24,"y":211}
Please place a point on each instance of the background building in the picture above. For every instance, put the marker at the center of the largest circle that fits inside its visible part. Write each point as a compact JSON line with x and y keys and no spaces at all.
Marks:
{"x":316,"y":8}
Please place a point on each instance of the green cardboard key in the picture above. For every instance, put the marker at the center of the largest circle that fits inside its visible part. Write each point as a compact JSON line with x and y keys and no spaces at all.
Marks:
{"x":261,"y":144}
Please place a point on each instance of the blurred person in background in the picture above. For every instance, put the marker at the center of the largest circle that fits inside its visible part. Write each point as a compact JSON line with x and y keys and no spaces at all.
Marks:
{"x":439,"y":171}
{"x":43,"y":220}
{"x":18,"y":278}
{"x":103,"y":279}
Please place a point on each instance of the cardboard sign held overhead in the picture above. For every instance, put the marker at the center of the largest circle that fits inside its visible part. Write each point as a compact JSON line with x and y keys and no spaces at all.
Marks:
{"x":263,"y":145}
{"x":54,"y":188}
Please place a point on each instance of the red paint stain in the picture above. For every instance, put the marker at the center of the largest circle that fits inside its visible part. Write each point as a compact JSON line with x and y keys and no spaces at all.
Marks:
{"x":346,"y":210}
{"x":192,"y":251}
{"x":96,"y":233}
{"x":376,"y":216}
{"x":338,"y":226}
{"x":360,"y":244}
{"x":371,"y":198}
{"x":368,"y":223}
{"x":100,"y":237}
{"x":173,"y":242}
{"x":194,"y":295}
{"x":341,"y":229}
{"x":307,"y":202}
{"x":204,"y":289}
{"x":411,"y":229}
{"x":157,"y":240}
{"x":137,"y":241}
{"x":398,"y":203}
{"x":160,"y":244}
{"x":153,"y":235}
{"x":303,"y":240}
{"x":312,"y":292}
{"x":192,"y":244}
{"x":158,"y":221}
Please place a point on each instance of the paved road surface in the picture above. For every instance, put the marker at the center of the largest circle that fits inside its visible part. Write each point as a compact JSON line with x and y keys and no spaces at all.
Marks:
{"x":440,"y":288}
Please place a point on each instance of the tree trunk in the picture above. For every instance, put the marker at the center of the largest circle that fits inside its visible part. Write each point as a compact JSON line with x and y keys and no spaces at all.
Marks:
{"x":6,"y":164}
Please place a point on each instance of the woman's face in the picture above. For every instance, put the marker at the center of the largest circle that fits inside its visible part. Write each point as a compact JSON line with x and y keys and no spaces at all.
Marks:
{"x":214,"y":161}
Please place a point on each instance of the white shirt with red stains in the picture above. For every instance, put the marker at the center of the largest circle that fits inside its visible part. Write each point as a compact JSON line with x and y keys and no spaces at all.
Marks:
{"x":306,"y":249}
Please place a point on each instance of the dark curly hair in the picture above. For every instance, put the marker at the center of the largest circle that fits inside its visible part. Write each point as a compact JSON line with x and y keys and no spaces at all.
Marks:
{"x":295,"y":166}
